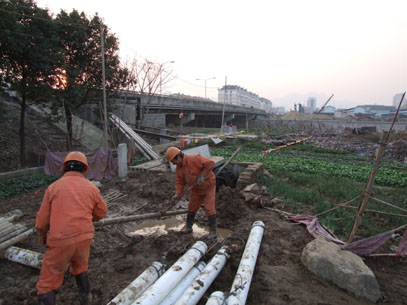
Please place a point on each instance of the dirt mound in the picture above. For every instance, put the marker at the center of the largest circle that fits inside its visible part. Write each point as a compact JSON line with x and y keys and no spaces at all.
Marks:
{"x":118,"y":257}
{"x":293,"y":115}
{"x":230,"y":207}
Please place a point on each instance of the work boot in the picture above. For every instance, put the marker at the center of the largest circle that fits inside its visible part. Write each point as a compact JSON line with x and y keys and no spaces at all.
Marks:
{"x":190,"y":222}
{"x":82,"y":281}
{"x":47,"y":298}
{"x":85,"y":298}
{"x":212,"y":226}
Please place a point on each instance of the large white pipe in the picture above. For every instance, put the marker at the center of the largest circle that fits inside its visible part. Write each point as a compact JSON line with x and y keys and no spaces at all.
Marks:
{"x":241,"y":284}
{"x":129,"y":294}
{"x":196,"y":290}
{"x":216,"y":298}
{"x":162,"y":287}
{"x":24,"y":256}
{"x":173,"y":296}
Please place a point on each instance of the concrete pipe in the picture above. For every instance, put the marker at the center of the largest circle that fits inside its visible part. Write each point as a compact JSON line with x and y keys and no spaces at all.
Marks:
{"x":139,"y":285}
{"x":24,"y":256}
{"x":173,"y":296}
{"x":166,"y":283}
{"x":110,"y":221}
{"x":16,"y":239}
{"x":196,"y":290}
{"x":241,"y":284}
{"x":216,"y":298}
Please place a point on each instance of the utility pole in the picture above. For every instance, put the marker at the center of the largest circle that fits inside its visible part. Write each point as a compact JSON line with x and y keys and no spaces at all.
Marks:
{"x":104,"y":87}
{"x":223,"y":109}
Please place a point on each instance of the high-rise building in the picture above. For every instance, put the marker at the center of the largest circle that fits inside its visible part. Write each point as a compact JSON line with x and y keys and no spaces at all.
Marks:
{"x":396,"y":100}
{"x":312,"y":103}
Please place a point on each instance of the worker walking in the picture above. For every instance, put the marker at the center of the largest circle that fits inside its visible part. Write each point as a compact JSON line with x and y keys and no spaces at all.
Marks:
{"x":64,"y":222}
{"x":195,"y":169}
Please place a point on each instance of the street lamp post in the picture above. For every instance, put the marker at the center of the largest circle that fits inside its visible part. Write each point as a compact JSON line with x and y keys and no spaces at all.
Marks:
{"x":167,"y":62}
{"x":206,"y":79}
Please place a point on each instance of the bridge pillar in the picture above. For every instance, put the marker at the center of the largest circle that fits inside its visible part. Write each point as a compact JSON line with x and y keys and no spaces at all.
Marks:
{"x":229,"y":117}
{"x":188,"y":118}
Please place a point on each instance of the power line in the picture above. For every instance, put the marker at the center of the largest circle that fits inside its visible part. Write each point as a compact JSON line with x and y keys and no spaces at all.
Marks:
{"x":183,"y":80}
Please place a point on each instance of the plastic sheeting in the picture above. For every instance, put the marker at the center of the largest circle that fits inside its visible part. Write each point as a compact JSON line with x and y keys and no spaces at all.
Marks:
{"x":361,"y":247}
{"x":102,"y":165}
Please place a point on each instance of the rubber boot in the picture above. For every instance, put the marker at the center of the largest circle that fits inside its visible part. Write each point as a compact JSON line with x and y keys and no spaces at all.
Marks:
{"x":82,"y":281}
{"x":212,"y":226}
{"x":47,"y":298}
{"x":190,"y":222}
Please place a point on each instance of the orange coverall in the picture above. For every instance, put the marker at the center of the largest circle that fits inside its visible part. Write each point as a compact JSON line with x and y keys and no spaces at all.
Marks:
{"x":192,"y":167}
{"x":68,"y":208}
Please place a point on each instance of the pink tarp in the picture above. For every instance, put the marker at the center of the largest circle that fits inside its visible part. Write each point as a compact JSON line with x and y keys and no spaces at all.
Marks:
{"x":361,"y":247}
{"x":102,"y":166}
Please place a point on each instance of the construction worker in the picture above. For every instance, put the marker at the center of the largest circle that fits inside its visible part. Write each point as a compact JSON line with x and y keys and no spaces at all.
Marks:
{"x":64,"y":222}
{"x":195,"y":170}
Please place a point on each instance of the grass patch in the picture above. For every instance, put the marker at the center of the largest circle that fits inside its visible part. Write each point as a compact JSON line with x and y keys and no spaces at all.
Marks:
{"x":139,"y":159}
{"x":15,"y":186}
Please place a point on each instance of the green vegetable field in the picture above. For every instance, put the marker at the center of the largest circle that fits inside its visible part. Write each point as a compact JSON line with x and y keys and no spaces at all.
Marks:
{"x":312,"y":180}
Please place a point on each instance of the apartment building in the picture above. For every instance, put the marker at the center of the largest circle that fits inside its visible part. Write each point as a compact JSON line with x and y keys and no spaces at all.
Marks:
{"x":236,"y":95}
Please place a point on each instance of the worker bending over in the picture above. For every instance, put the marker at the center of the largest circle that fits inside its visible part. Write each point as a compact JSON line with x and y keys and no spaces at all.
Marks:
{"x":195,"y":169}
{"x":64,"y":221}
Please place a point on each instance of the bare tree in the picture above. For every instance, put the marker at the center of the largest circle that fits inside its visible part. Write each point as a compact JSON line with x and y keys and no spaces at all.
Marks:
{"x":148,"y":78}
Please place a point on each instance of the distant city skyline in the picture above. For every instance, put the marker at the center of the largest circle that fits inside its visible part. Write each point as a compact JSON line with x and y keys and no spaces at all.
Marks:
{"x":285,"y":51}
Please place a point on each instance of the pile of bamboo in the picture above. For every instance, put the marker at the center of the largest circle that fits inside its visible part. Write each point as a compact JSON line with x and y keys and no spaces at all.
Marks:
{"x":11,"y":233}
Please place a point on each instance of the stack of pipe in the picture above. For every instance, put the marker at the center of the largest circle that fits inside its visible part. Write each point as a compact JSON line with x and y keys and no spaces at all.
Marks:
{"x":188,"y":279}
{"x":170,"y":279}
{"x":196,"y":290}
{"x":12,"y":233}
{"x":139,"y":285}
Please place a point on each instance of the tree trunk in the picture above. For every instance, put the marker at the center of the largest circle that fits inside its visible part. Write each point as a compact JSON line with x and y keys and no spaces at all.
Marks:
{"x":68,"y":116}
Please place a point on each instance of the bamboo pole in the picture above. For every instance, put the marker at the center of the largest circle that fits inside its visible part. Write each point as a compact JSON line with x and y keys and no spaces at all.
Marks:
{"x":16,"y":239}
{"x":337,"y":207}
{"x":367,"y":192}
{"x":389,"y":204}
{"x":375,"y":211}
{"x":110,"y":221}
{"x":16,"y":230}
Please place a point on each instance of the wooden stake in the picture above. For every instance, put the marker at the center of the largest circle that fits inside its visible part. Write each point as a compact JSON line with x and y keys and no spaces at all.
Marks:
{"x":367,"y":192}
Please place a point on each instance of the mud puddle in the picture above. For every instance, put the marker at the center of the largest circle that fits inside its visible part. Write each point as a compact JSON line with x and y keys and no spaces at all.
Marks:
{"x":176,"y":223}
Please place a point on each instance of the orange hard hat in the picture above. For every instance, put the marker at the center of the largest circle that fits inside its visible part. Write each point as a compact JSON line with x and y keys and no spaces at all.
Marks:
{"x":172,"y":152}
{"x":76,"y":156}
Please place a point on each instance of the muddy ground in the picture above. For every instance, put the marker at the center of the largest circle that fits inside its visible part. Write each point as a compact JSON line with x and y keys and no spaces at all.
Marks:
{"x":117,"y":258}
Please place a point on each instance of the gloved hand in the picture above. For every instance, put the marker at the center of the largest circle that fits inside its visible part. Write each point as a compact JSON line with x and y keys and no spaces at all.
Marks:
{"x":43,"y":238}
{"x":200,"y":180}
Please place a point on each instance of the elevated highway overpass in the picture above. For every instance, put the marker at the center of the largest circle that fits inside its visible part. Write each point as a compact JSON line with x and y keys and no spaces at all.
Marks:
{"x":162,"y":111}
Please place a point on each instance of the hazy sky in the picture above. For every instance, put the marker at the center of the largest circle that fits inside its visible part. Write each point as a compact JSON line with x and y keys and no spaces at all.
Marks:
{"x":283,"y":50}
